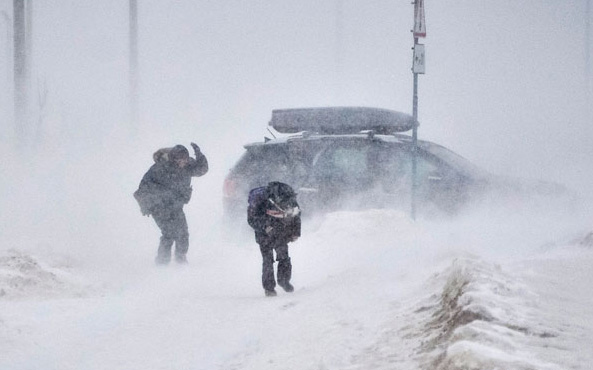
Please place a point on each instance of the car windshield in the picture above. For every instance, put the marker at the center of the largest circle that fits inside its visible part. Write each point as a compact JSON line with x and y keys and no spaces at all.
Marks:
{"x":453,"y":159}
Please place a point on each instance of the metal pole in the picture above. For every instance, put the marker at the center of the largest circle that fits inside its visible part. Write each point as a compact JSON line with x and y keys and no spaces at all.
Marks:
{"x":588,"y":57}
{"x":417,"y":67}
{"x":29,"y":43}
{"x":339,"y":47}
{"x":134,"y":62}
{"x":8,"y":51}
{"x":414,"y":142}
{"x":20,"y":61}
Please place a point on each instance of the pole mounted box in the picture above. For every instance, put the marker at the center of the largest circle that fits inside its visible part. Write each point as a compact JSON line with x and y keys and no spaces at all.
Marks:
{"x":419,"y":63}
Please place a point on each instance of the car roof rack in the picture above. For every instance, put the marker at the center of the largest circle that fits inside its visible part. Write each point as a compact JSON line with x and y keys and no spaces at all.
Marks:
{"x":340,"y":120}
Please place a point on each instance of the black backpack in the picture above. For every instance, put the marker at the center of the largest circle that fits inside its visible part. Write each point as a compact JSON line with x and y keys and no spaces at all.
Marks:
{"x":256,"y":197}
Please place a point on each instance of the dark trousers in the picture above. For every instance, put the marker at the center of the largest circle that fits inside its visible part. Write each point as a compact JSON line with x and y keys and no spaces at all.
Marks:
{"x":267,"y":248}
{"x":173,"y":227}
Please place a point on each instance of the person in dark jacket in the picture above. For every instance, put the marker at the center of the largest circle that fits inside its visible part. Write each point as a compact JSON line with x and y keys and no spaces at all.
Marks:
{"x":164,"y":190}
{"x":274,"y":215}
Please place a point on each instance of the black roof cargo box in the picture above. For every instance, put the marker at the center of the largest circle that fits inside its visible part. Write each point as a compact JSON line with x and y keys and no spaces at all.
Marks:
{"x":340,"y":120}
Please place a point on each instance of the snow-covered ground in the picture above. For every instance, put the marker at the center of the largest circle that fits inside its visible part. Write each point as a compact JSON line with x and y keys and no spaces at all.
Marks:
{"x":374,"y":290}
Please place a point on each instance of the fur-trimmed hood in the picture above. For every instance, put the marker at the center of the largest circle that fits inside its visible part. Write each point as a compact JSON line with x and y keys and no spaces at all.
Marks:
{"x":167,"y":154}
{"x":161,"y":155}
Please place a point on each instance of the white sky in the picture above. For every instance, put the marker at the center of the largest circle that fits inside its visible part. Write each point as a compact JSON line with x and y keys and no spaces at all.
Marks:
{"x":505,"y":83}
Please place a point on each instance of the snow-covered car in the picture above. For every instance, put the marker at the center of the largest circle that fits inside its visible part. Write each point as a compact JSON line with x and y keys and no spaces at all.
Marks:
{"x":339,"y":158}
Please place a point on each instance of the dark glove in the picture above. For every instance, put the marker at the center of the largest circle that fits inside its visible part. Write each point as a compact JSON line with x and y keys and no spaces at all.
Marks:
{"x":144,"y":209}
{"x":196,"y":148}
{"x":142,"y":202}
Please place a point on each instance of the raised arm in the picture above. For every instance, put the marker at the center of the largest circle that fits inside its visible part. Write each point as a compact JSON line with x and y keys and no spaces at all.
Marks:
{"x":199,"y":166}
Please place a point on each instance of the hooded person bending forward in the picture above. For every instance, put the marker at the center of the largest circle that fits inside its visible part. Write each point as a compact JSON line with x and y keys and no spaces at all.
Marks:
{"x":164,"y":190}
{"x":274,"y":215}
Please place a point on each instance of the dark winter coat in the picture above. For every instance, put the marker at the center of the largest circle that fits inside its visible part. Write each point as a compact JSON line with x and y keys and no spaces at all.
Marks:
{"x":166,"y":186}
{"x":283,"y":230}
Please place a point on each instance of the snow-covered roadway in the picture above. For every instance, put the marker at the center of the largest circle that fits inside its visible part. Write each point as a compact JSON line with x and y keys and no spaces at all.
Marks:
{"x":374,"y":290}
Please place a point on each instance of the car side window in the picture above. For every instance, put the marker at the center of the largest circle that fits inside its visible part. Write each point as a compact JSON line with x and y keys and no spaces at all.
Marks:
{"x":265,"y":164}
{"x":351,"y":161}
{"x":344,"y":164}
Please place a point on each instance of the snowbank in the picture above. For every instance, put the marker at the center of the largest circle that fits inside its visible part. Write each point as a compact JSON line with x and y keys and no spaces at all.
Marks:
{"x":23,"y":276}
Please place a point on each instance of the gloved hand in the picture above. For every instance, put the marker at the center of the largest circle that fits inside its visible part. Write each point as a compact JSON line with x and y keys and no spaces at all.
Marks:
{"x":144,"y":210}
{"x":268,"y":229}
{"x":196,"y":148}
{"x":141,"y":198}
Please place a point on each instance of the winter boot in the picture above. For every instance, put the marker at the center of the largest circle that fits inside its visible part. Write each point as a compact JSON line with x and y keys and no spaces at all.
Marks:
{"x":270,"y":293}
{"x":163,"y":256}
{"x":287,"y":287}
{"x":181,"y":259}
{"x":162,"y":259}
{"x":284,"y":274}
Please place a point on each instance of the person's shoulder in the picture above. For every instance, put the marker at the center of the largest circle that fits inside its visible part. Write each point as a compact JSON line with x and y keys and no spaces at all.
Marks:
{"x":159,"y":167}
